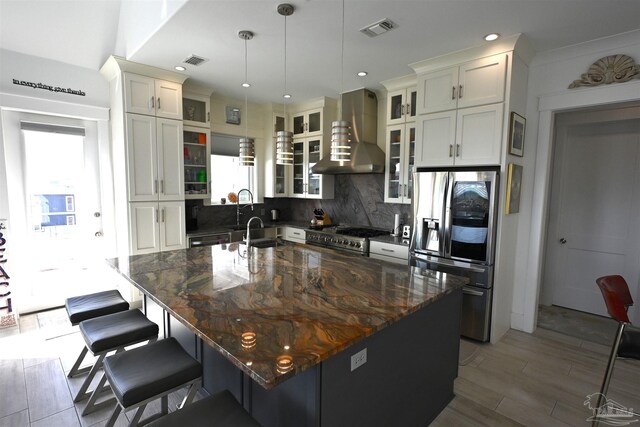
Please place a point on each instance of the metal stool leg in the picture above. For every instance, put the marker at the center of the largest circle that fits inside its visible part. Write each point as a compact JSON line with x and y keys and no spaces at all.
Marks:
{"x":99,"y":390}
{"x":136,"y":418}
{"x":75,"y":370}
{"x":190,"y":395}
{"x":609,"y":370}
{"x":82,"y":392}
{"x":114,"y":416}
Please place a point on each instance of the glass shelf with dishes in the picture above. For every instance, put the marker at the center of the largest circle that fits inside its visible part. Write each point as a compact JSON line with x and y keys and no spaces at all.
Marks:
{"x":197,"y":163}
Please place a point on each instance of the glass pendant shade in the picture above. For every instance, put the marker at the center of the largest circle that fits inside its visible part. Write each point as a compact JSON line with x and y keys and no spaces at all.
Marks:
{"x":340,"y":141}
{"x":284,"y":148}
{"x":247,"y":152}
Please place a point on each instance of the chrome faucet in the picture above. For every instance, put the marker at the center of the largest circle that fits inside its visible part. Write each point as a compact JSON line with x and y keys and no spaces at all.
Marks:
{"x":238,"y":208}
{"x":249,"y":229}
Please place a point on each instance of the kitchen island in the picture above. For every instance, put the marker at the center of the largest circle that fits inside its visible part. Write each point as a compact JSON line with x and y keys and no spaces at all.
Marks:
{"x":307,"y":336}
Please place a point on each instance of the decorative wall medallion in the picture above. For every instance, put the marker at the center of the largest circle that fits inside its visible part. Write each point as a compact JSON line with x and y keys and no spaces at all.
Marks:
{"x":607,"y":70}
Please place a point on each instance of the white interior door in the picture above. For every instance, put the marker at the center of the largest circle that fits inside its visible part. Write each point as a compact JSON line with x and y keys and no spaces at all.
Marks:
{"x":55,"y":206}
{"x":594,"y":224}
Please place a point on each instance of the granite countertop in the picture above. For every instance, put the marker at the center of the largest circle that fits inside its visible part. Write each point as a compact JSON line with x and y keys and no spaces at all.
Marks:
{"x":281,"y":310}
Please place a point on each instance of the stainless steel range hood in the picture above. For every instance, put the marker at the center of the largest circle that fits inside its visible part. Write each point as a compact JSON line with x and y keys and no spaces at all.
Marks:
{"x":360,"y":107}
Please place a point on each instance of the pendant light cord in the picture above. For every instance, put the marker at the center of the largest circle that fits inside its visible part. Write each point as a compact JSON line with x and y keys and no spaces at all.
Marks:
{"x":284,"y":95}
{"x":246,"y":103}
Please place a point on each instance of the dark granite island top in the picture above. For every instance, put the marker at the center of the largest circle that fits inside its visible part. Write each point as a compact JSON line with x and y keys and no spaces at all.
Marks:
{"x":281,"y":310}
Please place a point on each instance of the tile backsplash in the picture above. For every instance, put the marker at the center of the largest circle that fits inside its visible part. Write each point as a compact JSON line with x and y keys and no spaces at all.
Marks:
{"x":359,"y":200}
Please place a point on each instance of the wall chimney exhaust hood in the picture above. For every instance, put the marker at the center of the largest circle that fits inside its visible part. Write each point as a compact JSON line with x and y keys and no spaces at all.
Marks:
{"x":360,"y":107}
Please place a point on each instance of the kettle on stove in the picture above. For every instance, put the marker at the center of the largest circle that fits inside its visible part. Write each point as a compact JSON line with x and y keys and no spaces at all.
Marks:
{"x":275,"y":215}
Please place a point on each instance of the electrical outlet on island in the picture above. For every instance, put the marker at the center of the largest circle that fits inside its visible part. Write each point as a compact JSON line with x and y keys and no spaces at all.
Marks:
{"x":358,"y":359}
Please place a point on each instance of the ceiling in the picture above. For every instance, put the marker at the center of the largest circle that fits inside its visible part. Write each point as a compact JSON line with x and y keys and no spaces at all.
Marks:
{"x":164,"y":32}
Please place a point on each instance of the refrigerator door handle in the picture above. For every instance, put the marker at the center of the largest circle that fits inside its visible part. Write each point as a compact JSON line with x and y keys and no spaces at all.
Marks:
{"x":446,"y":214}
{"x":442,"y":232}
{"x":468,"y":291}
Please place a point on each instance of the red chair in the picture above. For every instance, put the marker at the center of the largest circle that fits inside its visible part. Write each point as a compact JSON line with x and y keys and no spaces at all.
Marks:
{"x":627,"y":341}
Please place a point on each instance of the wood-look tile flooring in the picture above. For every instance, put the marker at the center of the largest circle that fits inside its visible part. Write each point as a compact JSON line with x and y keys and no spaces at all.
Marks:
{"x":34,"y":388}
{"x":539,"y":379}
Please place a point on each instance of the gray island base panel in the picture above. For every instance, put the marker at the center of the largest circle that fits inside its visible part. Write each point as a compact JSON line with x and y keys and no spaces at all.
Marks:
{"x":310,"y":331}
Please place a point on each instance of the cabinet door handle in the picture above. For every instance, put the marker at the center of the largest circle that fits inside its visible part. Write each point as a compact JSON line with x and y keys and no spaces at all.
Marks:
{"x":162,"y":214}
{"x":157,"y":215}
{"x":153,"y":102}
{"x":457,"y":150}
{"x":387,"y":250}
{"x":450,"y":150}
{"x":208,"y":116}
{"x":453,"y":92}
{"x":158,"y":103}
{"x":460,"y":92}
{"x":162,"y":186}
{"x":155,"y":186}
{"x":408,"y":109}
{"x":402,"y":110}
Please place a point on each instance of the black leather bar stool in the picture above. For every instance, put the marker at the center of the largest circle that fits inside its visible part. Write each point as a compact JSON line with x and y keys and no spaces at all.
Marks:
{"x":626,"y":343}
{"x":220,"y":410}
{"x":105,"y":334}
{"x":143,"y":374}
{"x":88,"y":306}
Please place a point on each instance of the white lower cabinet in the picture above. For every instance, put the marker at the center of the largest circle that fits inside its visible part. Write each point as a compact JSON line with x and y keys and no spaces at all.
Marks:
{"x":296,"y":235}
{"x":156,"y":226}
{"x":389,"y":252}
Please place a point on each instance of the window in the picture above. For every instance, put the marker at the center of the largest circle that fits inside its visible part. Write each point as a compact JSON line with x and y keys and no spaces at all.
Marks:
{"x":226,"y":173}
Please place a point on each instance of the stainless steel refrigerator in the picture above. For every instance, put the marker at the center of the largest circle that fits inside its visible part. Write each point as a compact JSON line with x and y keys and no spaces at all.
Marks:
{"x":454,"y":214}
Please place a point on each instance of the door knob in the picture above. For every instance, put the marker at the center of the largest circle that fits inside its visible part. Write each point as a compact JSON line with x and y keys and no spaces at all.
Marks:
{"x":563,"y":240}
{"x":98,"y":234}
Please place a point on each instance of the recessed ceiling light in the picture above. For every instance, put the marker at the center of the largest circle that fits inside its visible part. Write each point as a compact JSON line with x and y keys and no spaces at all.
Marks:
{"x":491,"y":37}
{"x":180,"y":68}
{"x":362,"y":73}
{"x":246,"y":85}
{"x":286,"y":96}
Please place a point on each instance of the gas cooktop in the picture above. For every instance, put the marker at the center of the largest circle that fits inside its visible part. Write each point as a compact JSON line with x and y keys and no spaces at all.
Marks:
{"x":352,"y":239}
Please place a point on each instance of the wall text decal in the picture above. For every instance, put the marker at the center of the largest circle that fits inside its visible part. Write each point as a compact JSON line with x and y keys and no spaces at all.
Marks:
{"x":7,"y":316}
{"x":49,"y":88}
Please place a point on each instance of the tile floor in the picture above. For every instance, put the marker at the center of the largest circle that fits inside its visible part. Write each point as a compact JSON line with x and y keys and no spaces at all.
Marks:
{"x":539,"y":379}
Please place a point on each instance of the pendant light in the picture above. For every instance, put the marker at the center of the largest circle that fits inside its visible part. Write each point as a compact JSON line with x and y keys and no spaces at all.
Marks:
{"x":341,"y":129}
{"x":247,"y":145}
{"x":284,"y":139}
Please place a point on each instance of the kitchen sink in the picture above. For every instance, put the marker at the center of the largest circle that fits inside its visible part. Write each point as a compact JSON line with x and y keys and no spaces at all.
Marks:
{"x":238,"y":235}
{"x":265,"y":243}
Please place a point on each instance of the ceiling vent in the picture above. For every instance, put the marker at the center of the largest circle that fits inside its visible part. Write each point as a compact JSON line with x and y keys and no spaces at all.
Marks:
{"x":379,"y":27}
{"x":195,"y":60}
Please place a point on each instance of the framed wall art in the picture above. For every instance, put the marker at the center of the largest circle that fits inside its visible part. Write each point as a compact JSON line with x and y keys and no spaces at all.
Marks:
{"x":516,"y":134}
{"x":514,"y":183}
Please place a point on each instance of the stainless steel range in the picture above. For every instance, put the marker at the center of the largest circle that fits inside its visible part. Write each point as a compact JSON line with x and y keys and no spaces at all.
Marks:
{"x":351,"y":239}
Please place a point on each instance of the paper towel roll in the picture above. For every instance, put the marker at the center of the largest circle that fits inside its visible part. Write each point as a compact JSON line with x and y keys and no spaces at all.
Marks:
{"x":396,"y":225}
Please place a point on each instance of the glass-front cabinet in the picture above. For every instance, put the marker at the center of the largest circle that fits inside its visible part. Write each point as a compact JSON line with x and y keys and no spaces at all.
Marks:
{"x":195,"y":110}
{"x":401,"y":106}
{"x":307,"y":123}
{"x":197,"y":163}
{"x":400,"y":153}
{"x":306,"y":153}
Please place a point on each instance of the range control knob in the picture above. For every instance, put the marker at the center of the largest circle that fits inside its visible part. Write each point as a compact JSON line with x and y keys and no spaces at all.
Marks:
{"x":358,"y":245}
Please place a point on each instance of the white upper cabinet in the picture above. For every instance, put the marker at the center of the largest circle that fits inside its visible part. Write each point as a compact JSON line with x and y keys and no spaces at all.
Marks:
{"x":154,"y":158}
{"x":464,"y":137}
{"x":478,"y":82}
{"x":149,"y":96}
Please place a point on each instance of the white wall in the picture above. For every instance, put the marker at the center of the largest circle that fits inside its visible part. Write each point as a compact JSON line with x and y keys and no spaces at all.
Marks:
{"x":550,"y":74}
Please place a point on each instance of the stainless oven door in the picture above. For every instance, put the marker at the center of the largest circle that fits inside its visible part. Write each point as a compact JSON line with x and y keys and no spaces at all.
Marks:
{"x":476,"y":296}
